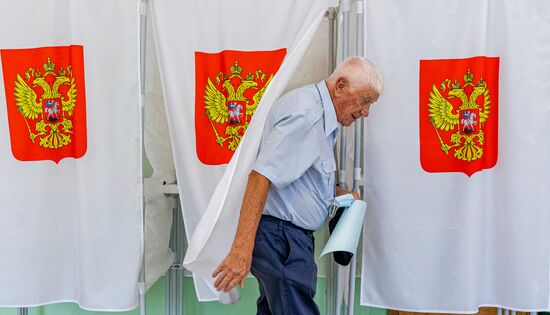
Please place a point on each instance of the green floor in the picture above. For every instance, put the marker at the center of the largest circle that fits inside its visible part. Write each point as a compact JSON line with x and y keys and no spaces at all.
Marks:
{"x":155,"y":303}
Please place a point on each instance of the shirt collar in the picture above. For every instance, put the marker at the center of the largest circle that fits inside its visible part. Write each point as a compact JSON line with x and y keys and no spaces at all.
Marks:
{"x":331,"y":123}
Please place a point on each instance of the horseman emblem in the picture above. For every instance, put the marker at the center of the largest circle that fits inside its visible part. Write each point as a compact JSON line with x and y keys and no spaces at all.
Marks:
{"x":229,"y":97}
{"x":469,"y":121}
{"x":460,"y":114}
{"x":52,"y":109}
{"x":235,"y":113}
{"x":45,"y":98}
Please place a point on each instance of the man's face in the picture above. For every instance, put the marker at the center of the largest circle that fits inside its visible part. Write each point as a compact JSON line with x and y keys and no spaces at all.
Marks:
{"x":352,"y":104}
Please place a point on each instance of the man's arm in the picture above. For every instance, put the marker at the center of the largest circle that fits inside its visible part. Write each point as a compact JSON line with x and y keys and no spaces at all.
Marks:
{"x":234,"y":268}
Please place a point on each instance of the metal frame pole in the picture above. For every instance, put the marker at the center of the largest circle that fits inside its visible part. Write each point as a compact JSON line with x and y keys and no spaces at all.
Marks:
{"x":332,"y":14}
{"x":358,"y":143}
{"x":345,"y":8}
{"x":143,"y":49}
{"x":175,"y":276}
{"x":330,"y":266}
{"x":22,"y":311}
{"x":170,"y":284}
{"x":180,"y":276}
{"x":358,"y":146}
{"x":167,"y":296}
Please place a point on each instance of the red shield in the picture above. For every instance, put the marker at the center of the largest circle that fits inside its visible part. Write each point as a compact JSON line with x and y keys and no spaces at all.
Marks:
{"x":46,"y":102}
{"x":228,"y":88}
{"x":459,"y":114}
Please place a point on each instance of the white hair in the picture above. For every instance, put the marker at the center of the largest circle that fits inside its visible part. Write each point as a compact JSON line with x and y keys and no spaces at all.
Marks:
{"x":359,"y":72}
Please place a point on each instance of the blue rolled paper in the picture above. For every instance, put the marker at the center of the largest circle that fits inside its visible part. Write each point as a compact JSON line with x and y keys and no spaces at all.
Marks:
{"x":345,"y":236}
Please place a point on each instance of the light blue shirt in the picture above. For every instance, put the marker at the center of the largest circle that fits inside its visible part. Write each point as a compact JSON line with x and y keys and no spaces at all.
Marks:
{"x":296,"y":155}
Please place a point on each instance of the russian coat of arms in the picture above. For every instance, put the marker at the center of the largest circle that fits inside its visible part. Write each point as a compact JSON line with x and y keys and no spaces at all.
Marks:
{"x":47,"y":113}
{"x":46,"y":103}
{"x":468,"y":119}
{"x":459,"y":114}
{"x":228,"y":88}
{"x":231,"y":100}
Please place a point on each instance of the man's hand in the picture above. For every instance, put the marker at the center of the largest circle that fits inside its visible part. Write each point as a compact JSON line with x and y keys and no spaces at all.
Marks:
{"x":236,"y":265}
{"x":340,"y":192}
{"x":232,"y":270}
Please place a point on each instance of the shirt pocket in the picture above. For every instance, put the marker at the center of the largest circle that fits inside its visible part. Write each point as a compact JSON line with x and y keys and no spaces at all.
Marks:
{"x":329,"y":174}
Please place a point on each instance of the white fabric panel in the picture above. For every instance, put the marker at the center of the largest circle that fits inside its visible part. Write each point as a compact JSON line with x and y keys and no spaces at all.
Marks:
{"x":158,"y":207}
{"x":73,"y":231}
{"x":214,"y":26}
{"x":313,"y":67}
{"x":158,"y":223}
{"x":210,"y":242}
{"x":446,"y":242}
{"x":157,"y":137}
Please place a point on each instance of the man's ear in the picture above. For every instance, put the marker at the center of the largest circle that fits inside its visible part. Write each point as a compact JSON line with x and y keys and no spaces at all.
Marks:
{"x":340,"y":85}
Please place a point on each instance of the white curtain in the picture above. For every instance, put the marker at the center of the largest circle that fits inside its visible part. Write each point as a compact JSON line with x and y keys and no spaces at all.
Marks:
{"x":440,"y":236}
{"x":216,"y":28}
{"x":71,"y":229}
{"x":158,"y":207}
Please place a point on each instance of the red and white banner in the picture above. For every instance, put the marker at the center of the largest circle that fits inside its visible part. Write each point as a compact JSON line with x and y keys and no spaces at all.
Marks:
{"x":216,"y":66}
{"x":456,"y":156}
{"x":70,"y":154}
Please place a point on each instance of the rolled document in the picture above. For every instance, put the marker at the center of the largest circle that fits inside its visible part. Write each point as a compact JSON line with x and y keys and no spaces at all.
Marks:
{"x":345,"y":236}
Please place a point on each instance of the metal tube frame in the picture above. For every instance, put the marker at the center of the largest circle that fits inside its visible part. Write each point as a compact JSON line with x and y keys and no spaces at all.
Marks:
{"x":175,"y":276}
{"x":170,"y":281}
{"x":143,"y":51}
{"x":358,"y":147}
{"x":330,"y":266}
{"x":345,"y":8}
{"x":345,"y":53}
{"x":180,"y":253}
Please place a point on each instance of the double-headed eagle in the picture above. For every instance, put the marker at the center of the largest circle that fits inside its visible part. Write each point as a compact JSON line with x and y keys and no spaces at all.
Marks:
{"x":53,"y":129}
{"x":216,"y":104}
{"x":468,"y":140}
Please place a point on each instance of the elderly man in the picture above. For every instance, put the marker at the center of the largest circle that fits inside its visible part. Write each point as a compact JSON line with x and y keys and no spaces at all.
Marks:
{"x":292,"y":187}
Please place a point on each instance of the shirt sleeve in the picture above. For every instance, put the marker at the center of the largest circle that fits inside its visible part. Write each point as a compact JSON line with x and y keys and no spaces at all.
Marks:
{"x":289,"y":149}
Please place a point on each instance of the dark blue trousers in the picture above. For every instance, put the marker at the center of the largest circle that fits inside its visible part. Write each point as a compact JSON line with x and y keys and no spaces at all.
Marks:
{"x":284,"y":265}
